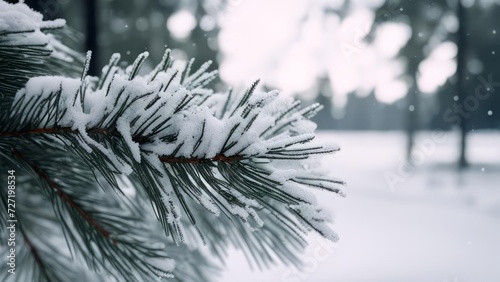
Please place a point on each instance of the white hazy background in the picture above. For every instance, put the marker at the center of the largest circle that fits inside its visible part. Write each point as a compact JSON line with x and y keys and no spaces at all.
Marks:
{"x":289,"y":44}
{"x":434,"y":225}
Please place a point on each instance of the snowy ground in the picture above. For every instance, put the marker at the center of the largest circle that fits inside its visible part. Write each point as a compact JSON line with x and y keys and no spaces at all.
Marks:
{"x":428,"y":223}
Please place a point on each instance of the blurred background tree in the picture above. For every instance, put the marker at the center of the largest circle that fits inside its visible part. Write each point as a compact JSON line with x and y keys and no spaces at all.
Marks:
{"x":434,"y":24}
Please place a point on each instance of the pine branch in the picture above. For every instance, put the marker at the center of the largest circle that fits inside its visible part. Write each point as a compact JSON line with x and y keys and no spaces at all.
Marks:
{"x":63,"y":195}
{"x":34,"y":253}
{"x":119,"y":251}
{"x":162,"y":131}
{"x":129,"y":224}
{"x":40,"y":256}
{"x":186,"y":149}
{"x":30,"y":50}
{"x":217,"y":158}
{"x":114,"y":132}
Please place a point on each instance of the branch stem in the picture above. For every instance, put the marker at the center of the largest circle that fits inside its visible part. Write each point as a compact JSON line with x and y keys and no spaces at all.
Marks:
{"x":63,"y":195}
{"x":112,"y":131}
{"x":56,"y":131}
{"x":218,"y":158}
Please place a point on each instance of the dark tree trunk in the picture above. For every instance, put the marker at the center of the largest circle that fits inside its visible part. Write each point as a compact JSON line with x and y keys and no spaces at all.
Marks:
{"x":412,"y":116}
{"x":91,"y":32}
{"x":412,"y":102}
{"x":461,"y":44}
{"x":49,"y":9}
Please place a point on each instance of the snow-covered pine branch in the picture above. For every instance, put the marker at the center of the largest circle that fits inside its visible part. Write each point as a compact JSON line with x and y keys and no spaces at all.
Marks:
{"x":162,"y":123}
{"x":70,"y":226}
{"x":113,"y":235}
{"x":28,"y":49}
{"x":186,"y":150}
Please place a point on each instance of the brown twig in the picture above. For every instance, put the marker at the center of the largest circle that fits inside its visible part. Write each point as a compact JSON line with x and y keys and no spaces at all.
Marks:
{"x":218,"y":158}
{"x":63,"y":195}
{"x":56,"y":131}
{"x":165,"y":159}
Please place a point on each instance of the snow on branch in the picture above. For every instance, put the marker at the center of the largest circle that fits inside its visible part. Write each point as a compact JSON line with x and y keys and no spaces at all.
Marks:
{"x":28,"y":49}
{"x":20,"y":25}
{"x":182,"y":140}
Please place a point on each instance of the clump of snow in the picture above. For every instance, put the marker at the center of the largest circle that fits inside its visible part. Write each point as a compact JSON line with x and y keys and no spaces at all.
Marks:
{"x":123,"y":126}
{"x":19,"y":25}
{"x":316,"y":219}
{"x":284,"y":175}
{"x":208,"y":204}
